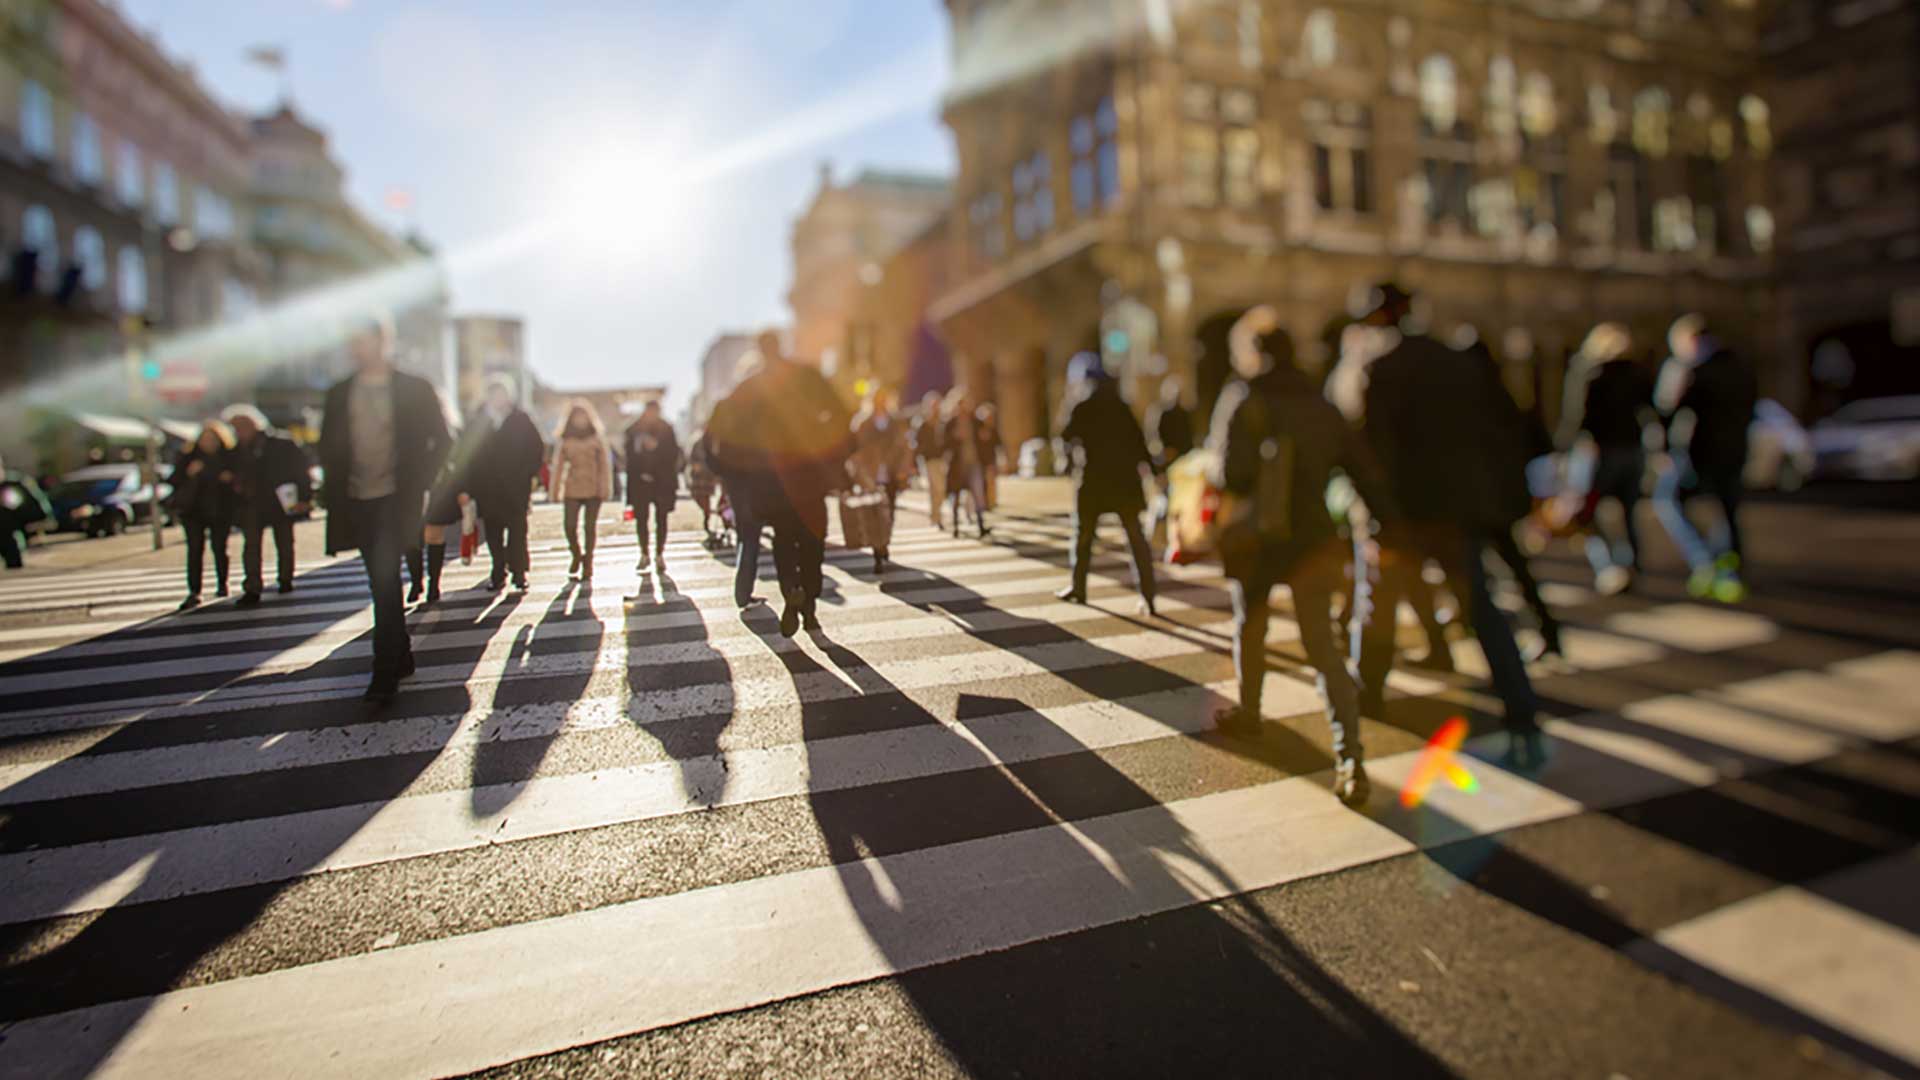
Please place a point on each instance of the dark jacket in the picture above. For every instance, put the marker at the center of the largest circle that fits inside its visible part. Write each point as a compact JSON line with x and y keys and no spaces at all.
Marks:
{"x":1172,"y":426}
{"x":420,"y":449}
{"x":1612,"y":403}
{"x":207,"y":495}
{"x":652,"y":472}
{"x":1448,"y":436}
{"x":22,"y":501}
{"x":1112,"y":448}
{"x":782,"y":433}
{"x":1719,"y":394}
{"x":496,"y":465}
{"x":928,"y":436}
{"x":1282,"y":406}
{"x":259,"y":467}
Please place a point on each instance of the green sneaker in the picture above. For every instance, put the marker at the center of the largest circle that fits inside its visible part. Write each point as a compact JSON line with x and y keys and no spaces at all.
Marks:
{"x":1700,"y":583}
{"x":1729,"y":589}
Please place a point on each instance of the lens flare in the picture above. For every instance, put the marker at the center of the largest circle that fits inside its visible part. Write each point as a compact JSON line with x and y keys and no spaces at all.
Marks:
{"x":1440,"y":759}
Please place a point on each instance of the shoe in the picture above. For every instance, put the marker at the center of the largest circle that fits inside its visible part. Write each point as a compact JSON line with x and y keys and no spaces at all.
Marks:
{"x":1072,"y":595}
{"x":641,"y":566}
{"x":879,"y":564}
{"x":790,"y":615}
{"x":247,"y":599}
{"x":414,"y":594}
{"x":189,"y":604}
{"x":810,"y":617}
{"x":1729,"y":589}
{"x":520,"y":585}
{"x":1700,"y":582}
{"x":1146,"y":609}
{"x":433,"y":595}
{"x":496,"y":584}
{"x":286,"y":587}
{"x":573,"y":569}
{"x":750,"y":602}
{"x":1526,"y":751}
{"x":382,"y":690}
{"x":985,"y":530}
{"x":1237,"y":722}
{"x":221,"y":592}
{"x":1350,"y":783}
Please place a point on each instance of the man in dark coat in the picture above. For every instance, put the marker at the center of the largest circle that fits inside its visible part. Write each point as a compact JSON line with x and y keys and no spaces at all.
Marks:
{"x":383,"y":440}
{"x":21,"y":504}
{"x":1707,"y":395}
{"x":1110,"y":454}
{"x":1437,"y":422}
{"x":501,"y":453}
{"x":264,"y":462}
{"x":1171,"y":423}
{"x":782,"y":438}
{"x":653,"y":470}
{"x":1609,"y":406}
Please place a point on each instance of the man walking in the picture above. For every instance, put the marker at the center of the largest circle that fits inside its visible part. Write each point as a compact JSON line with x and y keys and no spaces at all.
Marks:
{"x":271,"y":483}
{"x":507,"y":452}
{"x":1109,"y":468}
{"x":1706,"y":393}
{"x":383,"y":439}
{"x":21,"y":504}
{"x":1602,"y":428}
{"x":653,"y":478}
{"x":928,"y":437}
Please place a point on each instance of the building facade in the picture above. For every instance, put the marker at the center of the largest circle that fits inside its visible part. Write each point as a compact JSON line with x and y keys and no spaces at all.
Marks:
{"x":1132,"y":174}
{"x":485,"y":346}
{"x":839,"y":245}
{"x":891,"y":342}
{"x":719,"y":368}
{"x":1842,"y":74}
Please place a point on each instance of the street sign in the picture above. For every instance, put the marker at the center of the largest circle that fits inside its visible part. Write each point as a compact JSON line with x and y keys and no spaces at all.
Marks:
{"x":182,"y":382}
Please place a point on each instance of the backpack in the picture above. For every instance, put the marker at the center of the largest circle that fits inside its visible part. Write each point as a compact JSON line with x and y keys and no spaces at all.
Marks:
{"x":1270,"y":509}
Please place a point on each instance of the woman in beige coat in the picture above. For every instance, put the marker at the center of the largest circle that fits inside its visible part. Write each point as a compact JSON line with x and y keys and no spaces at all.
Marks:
{"x":582,"y":479}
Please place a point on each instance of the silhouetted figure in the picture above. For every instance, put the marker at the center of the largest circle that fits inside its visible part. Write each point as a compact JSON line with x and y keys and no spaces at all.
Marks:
{"x":203,"y":501}
{"x":973,"y":451}
{"x":445,"y":510}
{"x":1707,"y":395}
{"x":581,"y":478}
{"x":653,"y":477}
{"x":1281,"y":443}
{"x":1434,"y":422}
{"x":503,"y":454}
{"x":1171,"y":423}
{"x":383,"y":440}
{"x":882,"y":458}
{"x":1609,"y":405}
{"x":23,"y":501}
{"x":272,"y":484}
{"x":702,"y":484}
{"x":1110,"y":463}
{"x":928,"y":437}
{"x":782,"y":438}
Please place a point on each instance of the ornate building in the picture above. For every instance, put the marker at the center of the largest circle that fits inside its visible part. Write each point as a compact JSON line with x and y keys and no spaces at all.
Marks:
{"x":1131,"y":169}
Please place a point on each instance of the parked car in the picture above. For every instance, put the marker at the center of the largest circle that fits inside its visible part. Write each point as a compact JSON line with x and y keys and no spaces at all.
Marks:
{"x":103,"y":500}
{"x":1873,"y":439}
{"x":1779,"y":451}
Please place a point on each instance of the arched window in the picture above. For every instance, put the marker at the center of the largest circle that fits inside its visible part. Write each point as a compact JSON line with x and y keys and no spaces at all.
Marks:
{"x":39,"y":234}
{"x":1320,"y":39}
{"x":88,"y":165}
{"x":91,"y":253}
{"x":36,"y":119}
{"x":1652,"y":122}
{"x":1758,"y":121}
{"x":1539,"y":114}
{"x":133,"y":279}
{"x":1439,"y":94}
{"x":129,"y":183}
{"x":1501,"y":96}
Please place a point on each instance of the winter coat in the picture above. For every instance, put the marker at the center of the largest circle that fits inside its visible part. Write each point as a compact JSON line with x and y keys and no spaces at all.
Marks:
{"x":783,"y":434}
{"x":653,"y":462}
{"x":208,"y":494}
{"x":1719,"y":393}
{"x":1172,"y":427}
{"x":421,"y":444}
{"x":882,"y":457}
{"x":1111,"y":450}
{"x":582,"y":468}
{"x":497,"y":464}
{"x":260,"y":466}
{"x":1448,"y":436}
{"x":1611,"y":402}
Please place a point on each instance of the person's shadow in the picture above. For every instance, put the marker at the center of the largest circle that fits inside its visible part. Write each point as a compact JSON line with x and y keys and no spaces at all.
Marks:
{"x":693,"y":742}
{"x":153,"y":935}
{"x":503,"y":764}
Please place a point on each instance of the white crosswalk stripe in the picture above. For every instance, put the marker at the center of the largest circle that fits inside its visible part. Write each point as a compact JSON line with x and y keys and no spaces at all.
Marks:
{"x":156,"y":769}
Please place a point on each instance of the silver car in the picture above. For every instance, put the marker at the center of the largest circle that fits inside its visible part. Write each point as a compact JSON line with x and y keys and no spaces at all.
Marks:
{"x":1874,"y":439}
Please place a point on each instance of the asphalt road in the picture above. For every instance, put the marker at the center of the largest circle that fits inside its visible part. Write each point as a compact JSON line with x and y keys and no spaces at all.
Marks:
{"x":967,"y":830}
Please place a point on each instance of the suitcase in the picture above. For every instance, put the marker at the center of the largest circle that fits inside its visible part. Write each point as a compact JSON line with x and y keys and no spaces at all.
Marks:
{"x":865,"y":520}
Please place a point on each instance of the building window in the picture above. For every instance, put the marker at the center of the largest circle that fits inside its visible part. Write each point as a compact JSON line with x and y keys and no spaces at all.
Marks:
{"x":88,"y":165}
{"x":984,"y":217}
{"x":1342,"y":163}
{"x":1706,"y":186}
{"x":40,"y":235}
{"x":1652,"y":122}
{"x":1493,"y":208}
{"x":1439,"y":95}
{"x":1250,"y":51}
{"x":1106,"y":128}
{"x":1673,"y":224}
{"x":1539,"y":114}
{"x":1322,"y":176}
{"x":1199,"y":165}
{"x":1032,"y":198}
{"x":1757,"y":119}
{"x":36,"y":120}
{"x":1085,"y":186}
{"x":1502,"y":96}
{"x":166,"y":194}
{"x":90,"y":252}
{"x":128,"y":182}
{"x":1320,"y":39}
{"x":212,"y":214}
{"x":1240,"y":162}
{"x":1539,"y":198}
{"x":133,"y":279}
{"x":1603,"y":120}
{"x":1760,"y":229}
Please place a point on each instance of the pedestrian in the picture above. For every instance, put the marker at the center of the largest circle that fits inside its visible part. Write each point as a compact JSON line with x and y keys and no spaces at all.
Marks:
{"x":502,"y":455}
{"x":783,"y":437}
{"x":971,"y":452}
{"x":23,"y":501}
{"x":1706,"y":394}
{"x":1110,"y":466}
{"x":882,"y":459}
{"x":581,"y":478}
{"x":987,"y":432}
{"x":1281,"y":443}
{"x":383,"y":440}
{"x":736,"y":487}
{"x":653,"y":478}
{"x":702,"y":486}
{"x":928,"y":437}
{"x":1434,"y":419}
{"x":1171,"y":423}
{"x":204,"y":501}
{"x":1609,"y":407}
{"x":272,"y":486}
{"x":426,"y":563}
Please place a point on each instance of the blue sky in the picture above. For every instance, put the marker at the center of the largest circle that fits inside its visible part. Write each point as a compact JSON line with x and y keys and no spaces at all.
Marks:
{"x":644,"y":160}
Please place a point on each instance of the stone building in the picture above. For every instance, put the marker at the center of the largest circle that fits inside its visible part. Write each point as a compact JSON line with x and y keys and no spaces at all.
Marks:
{"x":840,"y":243}
{"x":719,"y":368}
{"x":1131,"y":171}
{"x":1847,"y":118}
{"x":891,"y":342}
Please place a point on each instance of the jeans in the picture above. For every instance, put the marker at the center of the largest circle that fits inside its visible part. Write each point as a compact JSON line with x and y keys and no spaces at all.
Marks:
{"x":1617,"y":475}
{"x":1460,"y":553}
{"x":202,"y":535}
{"x":377,"y":523}
{"x":507,"y":543}
{"x":1086,"y":519}
{"x":746,"y":564}
{"x":1313,"y":579}
{"x":570,"y":520}
{"x":252,"y":530}
{"x":1683,"y":481}
{"x":644,"y":505}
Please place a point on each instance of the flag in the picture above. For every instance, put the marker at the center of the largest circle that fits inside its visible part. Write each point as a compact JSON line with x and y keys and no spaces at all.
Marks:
{"x":268,"y":56}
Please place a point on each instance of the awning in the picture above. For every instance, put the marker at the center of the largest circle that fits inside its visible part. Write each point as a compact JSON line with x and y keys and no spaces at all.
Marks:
{"x":183,"y":430}
{"x":113,"y":428}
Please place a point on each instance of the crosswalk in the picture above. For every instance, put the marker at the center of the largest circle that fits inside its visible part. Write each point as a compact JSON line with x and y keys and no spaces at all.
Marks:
{"x":600,"y":813}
